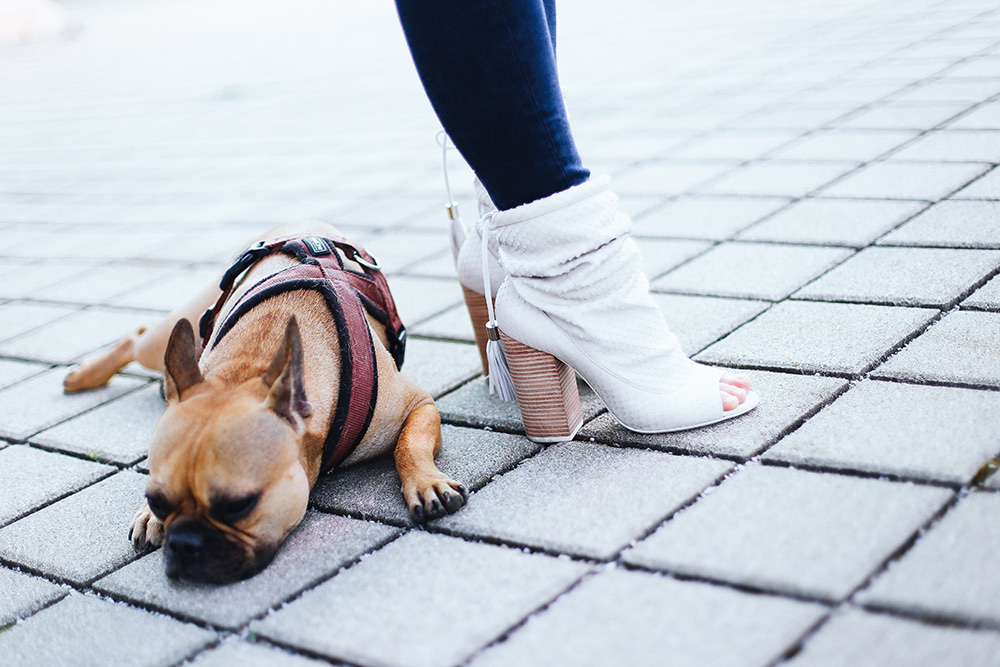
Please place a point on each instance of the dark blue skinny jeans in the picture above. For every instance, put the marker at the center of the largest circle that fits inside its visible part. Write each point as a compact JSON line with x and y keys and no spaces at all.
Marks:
{"x":489,"y":69}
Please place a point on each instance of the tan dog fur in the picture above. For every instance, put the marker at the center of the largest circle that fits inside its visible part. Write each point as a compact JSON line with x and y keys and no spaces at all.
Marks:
{"x":251,"y":418}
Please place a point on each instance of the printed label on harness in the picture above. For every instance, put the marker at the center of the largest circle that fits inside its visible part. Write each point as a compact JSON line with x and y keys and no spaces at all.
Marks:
{"x":316,"y":245}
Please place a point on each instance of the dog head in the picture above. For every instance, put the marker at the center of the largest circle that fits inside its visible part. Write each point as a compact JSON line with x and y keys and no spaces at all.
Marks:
{"x":227,"y":478}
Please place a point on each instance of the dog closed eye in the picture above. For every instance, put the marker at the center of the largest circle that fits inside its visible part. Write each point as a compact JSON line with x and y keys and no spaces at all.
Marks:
{"x":231,"y":510}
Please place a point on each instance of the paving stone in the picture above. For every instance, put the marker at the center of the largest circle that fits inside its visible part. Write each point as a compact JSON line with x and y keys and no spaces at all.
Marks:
{"x":986,"y":297}
{"x":951,"y":89}
{"x":778,"y":178}
{"x":452,"y":324}
{"x":905,"y":180}
{"x":789,"y":530}
{"x":32,"y":276}
{"x":419,"y":298}
{"x":765,"y":270}
{"x":24,"y":595}
{"x":74,"y":337}
{"x":585,"y":499}
{"x":699,"y":321}
{"x":962,"y":347}
{"x":30,"y":478}
{"x":661,"y":255}
{"x":440,"y":366}
{"x":99,"y":284}
{"x":80,"y":537}
{"x":935,"y":433}
{"x":819,"y":337}
{"x":84,"y":630}
{"x":397,"y":250}
{"x":321,"y":545}
{"x":169,"y":291}
{"x":855,"y":223}
{"x":899,"y":276}
{"x":849,"y":145}
{"x":370,"y":490}
{"x":904,"y":116}
{"x":985,"y":117}
{"x":858,"y":638}
{"x":118,"y":432}
{"x":987,"y":187}
{"x":18,"y":317}
{"x":958,"y":224}
{"x":948,"y":146}
{"x":669,"y":178}
{"x":474,"y":405}
{"x":701,"y":217}
{"x":634,"y":618}
{"x":950,"y":571}
{"x":38,"y":402}
{"x":12,"y":371}
{"x":417,"y":573}
{"x":246,"y":654}
{"x":734,"y":145}
{"x":785,"y":400}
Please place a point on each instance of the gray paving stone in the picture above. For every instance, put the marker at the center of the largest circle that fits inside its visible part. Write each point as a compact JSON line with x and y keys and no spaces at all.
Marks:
{"x":778,"y":178}
{"x":986,"y":297}
{"x":958,"y":224}
{"x":935,"y":433}
{"x":987,"y":187}
{"x":321,"y":545}
{"x":701,"y":217}
{"x":962,"y":347}
{"x":370,"y":490}
{"x":87,"y":631}
{"x":101,"y":283}
{"x":819,"y":337}
{"x":789,"y":530}
{"x":34,"y":275}
{"x":661,"y":255}
{"x":246,"y":654}
{"x":948,"y":146}
{"x":859,"y":639}
{"x":950,"y":571}
{"x":765,"y":270}
{"x":397,"y":250}
{"x":849,"y":145}
{"x":24,"y":595}
{"x":699,"y":321}
{"x":904,"y":116}
{"x":432,"y":582}
{"x":38,"y":402}
{"x":899,"y":276}
{"x":586,"y":499}
{"x":951,"y":89}
{"x":80,"y":537}
{"x":12,"y":371}
{"x":440,"y":366}
{"x":734,"y":144}
{"x":854,"y":223}
{"x":985,"y":117}
{"x":474,"y":405}
{"x":118,"y":432}
{"x":30,"y":478}
{"x":634,"y":618}
{"x":669,"y":178}
{"x":169,"y":291}
{"x":419,"y":298}
{"x":18,"y":317}
{"x":74,"y":337}
{"x":905,"y":180}
{"x":452,"y":324}
{"x":785,"y":400}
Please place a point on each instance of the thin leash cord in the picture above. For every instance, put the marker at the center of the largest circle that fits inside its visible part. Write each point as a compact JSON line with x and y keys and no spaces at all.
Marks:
{"x":450,"y":205}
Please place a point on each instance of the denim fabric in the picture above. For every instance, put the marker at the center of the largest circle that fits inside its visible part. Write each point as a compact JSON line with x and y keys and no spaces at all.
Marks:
{"x":489,"y":69}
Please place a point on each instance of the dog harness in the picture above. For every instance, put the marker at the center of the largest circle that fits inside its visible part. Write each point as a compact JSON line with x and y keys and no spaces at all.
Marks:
{"x":348,"y":295}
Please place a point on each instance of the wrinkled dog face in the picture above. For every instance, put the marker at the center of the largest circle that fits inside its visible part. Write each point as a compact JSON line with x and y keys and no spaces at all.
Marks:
{"x":226,"y":477}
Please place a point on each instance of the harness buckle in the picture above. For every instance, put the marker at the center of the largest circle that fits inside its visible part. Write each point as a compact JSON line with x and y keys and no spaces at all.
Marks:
{"x":249,"y":257}
{"x":374,"y":265}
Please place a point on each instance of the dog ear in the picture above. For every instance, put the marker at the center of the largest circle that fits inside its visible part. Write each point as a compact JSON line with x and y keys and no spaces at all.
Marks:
{"x":287,"y":396}
{"x":181,"y":362}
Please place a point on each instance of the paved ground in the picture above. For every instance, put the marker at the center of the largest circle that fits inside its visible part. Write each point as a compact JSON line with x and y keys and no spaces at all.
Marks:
{"x":816,"y":193}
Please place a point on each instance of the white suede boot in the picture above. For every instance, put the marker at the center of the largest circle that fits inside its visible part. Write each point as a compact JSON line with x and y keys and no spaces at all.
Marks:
{"x":575,"y":289}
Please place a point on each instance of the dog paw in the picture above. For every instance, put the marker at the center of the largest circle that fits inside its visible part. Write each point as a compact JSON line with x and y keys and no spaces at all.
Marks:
{"x":146,"y":530}
{"x":432,"y":498}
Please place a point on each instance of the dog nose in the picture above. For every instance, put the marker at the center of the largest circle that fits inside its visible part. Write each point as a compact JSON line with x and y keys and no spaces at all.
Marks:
{"x":186,"y":542}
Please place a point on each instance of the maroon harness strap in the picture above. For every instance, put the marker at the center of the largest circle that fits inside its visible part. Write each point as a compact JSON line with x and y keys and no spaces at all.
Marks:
{"x":349,"y":295}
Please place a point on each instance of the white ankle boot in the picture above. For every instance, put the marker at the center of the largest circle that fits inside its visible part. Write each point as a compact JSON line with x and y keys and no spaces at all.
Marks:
{"x":575,"y":289}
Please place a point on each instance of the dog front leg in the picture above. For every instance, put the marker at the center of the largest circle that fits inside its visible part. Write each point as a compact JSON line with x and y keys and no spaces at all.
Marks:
{"x":428,"y":492}
{"x":146,"y":530}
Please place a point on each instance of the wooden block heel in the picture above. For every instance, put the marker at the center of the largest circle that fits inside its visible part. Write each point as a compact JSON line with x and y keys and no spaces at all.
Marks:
{"x":476,"y":304}
{"x":546,"y":391}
